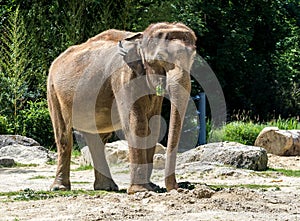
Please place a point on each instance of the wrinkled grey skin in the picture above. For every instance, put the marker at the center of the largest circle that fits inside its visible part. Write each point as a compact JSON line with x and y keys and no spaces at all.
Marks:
{"x":108,"y":83}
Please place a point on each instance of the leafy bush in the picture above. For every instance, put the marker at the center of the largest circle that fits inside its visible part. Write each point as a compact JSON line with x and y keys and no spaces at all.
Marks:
{"x":37,"y":123}
{"x":4,"y":125}
{"x":247,"y":132}
{"x":242,"y":132}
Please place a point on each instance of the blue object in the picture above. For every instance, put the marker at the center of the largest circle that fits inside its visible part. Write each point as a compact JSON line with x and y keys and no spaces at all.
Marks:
{"x":201,"y":100}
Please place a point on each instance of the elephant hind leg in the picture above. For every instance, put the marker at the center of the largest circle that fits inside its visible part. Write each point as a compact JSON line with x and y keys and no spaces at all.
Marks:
{"x":64,"y":142}
{"x":103,"y":178}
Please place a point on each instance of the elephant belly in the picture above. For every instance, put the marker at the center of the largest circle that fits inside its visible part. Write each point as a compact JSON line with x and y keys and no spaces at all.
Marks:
{"x":101,"y":121}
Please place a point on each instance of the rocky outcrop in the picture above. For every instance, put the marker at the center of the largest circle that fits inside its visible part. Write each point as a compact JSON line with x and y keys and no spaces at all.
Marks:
{"x":227,"y":153}
{"x":26,"y":154}
{"x":279,"y":142}
{"x":7,"y":140}
{"x":24,"y":150}
{"x":117,"y":152}
{"x":223,"y":153}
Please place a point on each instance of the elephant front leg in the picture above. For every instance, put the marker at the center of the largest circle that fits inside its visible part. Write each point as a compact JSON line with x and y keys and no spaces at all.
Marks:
{"x":139,"y":167}
{"x":140,"y":152}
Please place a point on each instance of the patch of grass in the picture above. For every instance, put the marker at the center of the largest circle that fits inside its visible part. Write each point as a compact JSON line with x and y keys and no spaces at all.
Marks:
{"x":51,"y":162}
{"x":289,"y":173}
{"x":81,"y":182}
{"x":286,"y":124}
{"x":25,"y":165}
{"x":38,"y":177}
{"x":82,"y":168}
{"x":246,"y":186}
{"x":29,"y":194}
{"x":76,"y":153}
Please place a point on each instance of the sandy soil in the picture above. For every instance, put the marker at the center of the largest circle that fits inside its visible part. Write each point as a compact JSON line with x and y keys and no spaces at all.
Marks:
{"x":276,"y":197}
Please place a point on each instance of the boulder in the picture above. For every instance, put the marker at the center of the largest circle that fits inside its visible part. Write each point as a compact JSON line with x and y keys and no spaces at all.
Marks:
{"x":279,"y":142}
{"x":227,"y":153}
{"x":6,"y":140}
{"x":159,"y":161}
{"x":6,"y":162}
{"x":117,"y":152}
{"x":85,"y":157}
{"x":26,"y":154}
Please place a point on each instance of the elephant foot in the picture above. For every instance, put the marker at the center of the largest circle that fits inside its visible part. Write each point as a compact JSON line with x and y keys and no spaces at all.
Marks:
{"x":171,"y":183}
{"x":134,"y":188}
{"x":57,"y":186}
{"x":106,"y":184}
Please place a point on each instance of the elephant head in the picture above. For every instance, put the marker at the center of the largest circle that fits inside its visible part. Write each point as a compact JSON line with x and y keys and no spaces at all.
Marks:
{"x":165,"y":51}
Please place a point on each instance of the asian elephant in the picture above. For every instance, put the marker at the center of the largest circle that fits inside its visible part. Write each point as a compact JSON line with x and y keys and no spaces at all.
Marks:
{"x":117,"y":80}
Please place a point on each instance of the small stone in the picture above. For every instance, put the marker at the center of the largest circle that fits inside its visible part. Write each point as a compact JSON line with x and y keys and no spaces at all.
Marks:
{"x":203,"y":192}
{"x":7,"y":162}
{"x":145,"y":201}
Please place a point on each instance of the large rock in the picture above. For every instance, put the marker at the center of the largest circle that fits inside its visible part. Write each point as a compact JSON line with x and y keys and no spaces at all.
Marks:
{"x":279,"y":142}
{"x":26,"y":154}
{"x":117,"y":152}
{"x":227,"y":153}
{"x":6,"y":140}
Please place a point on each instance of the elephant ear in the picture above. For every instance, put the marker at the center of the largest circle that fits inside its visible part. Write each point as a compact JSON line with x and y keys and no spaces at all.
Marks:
{"x":130,"y":49}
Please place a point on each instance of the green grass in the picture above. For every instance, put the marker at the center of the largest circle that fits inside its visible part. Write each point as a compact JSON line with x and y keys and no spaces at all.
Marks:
{"x":285,"y":124}
{"x":246,"y":186}
{"x":81,"y":182}
{"x":51,"y":162}
{"x":76,"y":153}
{"x":29,"y":194}
{"x":245,"y":131}
{"x":289,"y":173}
{"x":38,"y":177}
{"x":82,"y":168}
{"x":25,"y":165}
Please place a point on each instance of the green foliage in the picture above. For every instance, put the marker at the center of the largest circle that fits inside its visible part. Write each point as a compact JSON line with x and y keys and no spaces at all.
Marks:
{"x":4,"y":125}
{"x":14,"y":72}
{"x":286,"y":124}
{"x":246,"y":131}
{"x":240,"y":132}
{"x":36,"y":122}
{"x":252,"y":46}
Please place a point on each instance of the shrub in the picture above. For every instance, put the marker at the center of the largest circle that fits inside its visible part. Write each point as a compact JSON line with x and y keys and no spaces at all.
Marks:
{"x":237,"y":131}
{"x":242,"y":132}
{"x":37,"y":123}
{"x":4,"y":125}
{"x":247,"y":132}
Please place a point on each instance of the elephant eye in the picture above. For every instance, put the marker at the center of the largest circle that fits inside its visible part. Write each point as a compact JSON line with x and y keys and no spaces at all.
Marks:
{"x":160,"y":35}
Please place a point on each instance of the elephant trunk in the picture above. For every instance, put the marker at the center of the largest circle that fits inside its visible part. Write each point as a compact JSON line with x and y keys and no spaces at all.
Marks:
{"x":179,"y":87}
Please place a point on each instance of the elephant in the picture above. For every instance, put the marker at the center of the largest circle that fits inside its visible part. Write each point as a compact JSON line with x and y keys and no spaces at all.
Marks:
{"x":117,"y":80}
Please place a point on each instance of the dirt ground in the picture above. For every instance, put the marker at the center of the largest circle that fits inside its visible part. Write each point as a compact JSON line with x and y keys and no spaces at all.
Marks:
{"x":222,"y":193}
